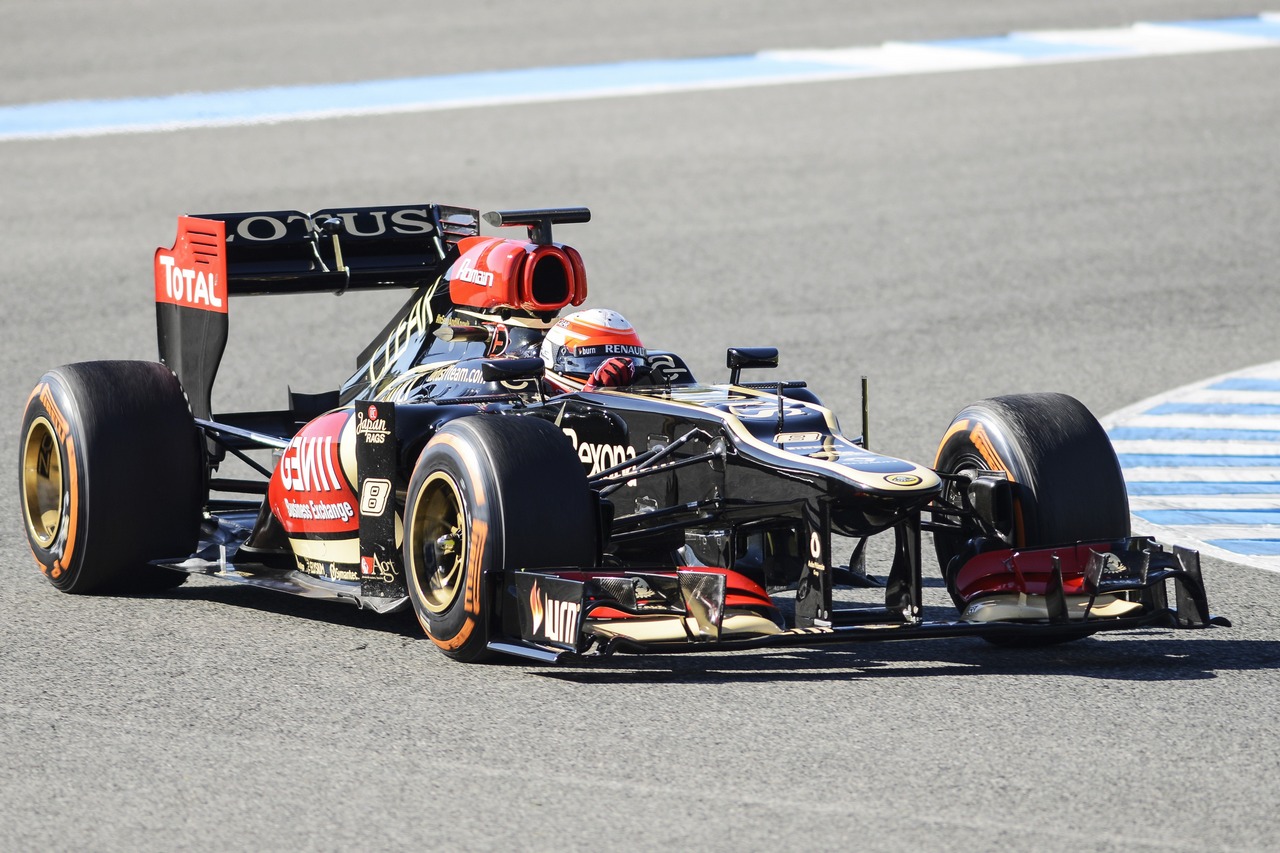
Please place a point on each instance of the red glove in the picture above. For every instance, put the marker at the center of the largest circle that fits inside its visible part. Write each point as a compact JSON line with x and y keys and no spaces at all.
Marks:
{"x":612,"y":373}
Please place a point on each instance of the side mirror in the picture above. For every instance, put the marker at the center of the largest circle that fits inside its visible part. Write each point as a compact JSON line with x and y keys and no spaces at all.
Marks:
{"x":738,"y":358}
{"x":511,"y":369}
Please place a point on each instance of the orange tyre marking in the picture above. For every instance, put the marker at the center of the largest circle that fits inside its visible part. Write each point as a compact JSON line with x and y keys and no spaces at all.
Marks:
{"x":958,"y":426}
{"x":73,"y":488}
{"x":62,"y":428}
{"x":472,"y":593}
{"x":987,"y":450}
{"x":478,"y":534}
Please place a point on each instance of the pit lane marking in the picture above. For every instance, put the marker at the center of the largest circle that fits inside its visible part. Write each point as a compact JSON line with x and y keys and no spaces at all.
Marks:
{"x":1202,"y":465}
{"x":74,"y":118}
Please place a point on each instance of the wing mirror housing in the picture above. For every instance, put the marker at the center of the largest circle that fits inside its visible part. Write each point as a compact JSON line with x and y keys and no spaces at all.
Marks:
{"x":511,"y":369}
{"x":739,"y":358}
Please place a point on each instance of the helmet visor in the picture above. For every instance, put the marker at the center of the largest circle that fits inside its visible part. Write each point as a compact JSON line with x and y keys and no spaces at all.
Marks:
{"x":583,"y":360}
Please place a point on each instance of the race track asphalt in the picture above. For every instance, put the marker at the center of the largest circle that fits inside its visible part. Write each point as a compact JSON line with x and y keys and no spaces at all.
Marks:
{"x":1104,"y":229}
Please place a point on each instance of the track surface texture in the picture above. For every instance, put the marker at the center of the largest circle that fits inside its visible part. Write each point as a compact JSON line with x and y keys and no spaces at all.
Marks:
{"x":1106,"y":229}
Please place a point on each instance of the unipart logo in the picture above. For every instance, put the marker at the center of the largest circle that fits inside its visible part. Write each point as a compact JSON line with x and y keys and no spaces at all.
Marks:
{"x":467,"y":272}
{"x":195,"y":288}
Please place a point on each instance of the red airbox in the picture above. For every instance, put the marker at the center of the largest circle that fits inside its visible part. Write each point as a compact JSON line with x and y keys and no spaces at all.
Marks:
{"x":495,"y":273}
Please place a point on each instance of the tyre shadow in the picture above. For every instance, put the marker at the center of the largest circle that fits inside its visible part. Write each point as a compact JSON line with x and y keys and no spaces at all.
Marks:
{"x":1153,"y":654}
{"x":283,"y":604}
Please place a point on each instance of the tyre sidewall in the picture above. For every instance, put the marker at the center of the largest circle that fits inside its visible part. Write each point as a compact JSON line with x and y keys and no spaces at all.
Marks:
{"x":133,"y":481}
{"x":1066,"y":480}
{"x":525,"y":505}
{"x":461,"y":630}
{"x":60,"y":561}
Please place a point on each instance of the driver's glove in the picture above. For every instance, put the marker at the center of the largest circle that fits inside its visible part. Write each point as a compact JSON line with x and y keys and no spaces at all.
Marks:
{"x":612,"y":373}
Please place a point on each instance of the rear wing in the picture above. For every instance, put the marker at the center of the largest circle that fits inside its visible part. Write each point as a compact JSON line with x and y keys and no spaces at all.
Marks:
{"x":220,"y":255}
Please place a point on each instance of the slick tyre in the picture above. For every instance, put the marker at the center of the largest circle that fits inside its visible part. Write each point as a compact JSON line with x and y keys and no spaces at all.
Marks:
{"x":110,"y":476}
{"x":490,"y":493}
{"x":1067,"y":485}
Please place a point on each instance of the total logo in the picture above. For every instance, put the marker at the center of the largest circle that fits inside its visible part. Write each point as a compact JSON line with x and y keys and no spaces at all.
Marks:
{"x":556,"y":620}
{"x":188,"y":286}
{"x":599,"y":456}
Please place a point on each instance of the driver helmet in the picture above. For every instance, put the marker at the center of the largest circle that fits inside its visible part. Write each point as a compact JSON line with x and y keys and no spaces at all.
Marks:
{"x":583,"y":340}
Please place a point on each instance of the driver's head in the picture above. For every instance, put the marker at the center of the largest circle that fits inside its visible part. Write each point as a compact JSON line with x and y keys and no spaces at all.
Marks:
{"x":582,"y":341}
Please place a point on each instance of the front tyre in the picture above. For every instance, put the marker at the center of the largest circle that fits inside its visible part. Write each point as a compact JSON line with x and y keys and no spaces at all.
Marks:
{"x":110,"y":476}
{"x":490,"y":493}
{"x":1066,"y":481}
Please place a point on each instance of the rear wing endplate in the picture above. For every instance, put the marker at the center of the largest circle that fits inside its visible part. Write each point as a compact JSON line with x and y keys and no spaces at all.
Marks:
{"x":220,"y":255}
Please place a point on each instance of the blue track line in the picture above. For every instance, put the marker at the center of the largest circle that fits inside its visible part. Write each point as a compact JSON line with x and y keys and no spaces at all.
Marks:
{"x":1252,"y":547}
{"x":1188,"y":460}
{"x":620,"y":79}
{"x":1247,"y":383}
{"x":1252,"y":409}
{"x":1150,"y":488}
{"x":1210,"y":516}
{"x":1192,"y":434}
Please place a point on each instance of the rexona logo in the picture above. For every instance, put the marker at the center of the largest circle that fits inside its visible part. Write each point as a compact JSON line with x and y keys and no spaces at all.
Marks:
{"x":600,"y":457}
{"x":553,"y":619}
{"x":467,"y":272}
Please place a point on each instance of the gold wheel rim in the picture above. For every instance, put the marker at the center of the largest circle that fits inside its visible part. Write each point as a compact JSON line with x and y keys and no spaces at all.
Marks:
{"x":438,"y":549}
{"x":43,"y":488}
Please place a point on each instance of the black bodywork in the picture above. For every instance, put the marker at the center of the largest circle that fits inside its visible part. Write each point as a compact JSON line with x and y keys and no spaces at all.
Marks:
{"x":753,"y":476}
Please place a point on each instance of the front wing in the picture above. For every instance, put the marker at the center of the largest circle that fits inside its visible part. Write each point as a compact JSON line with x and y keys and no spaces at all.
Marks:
{"x":571,"y":613}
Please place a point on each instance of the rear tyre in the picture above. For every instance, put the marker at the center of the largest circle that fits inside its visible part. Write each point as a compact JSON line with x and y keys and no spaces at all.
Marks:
{"x":1067,"y":484}
{"x":490,"y":493}
{"x":110,"y":476}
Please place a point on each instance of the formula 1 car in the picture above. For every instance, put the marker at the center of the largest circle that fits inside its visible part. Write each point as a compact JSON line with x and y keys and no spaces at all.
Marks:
{"x":523,"y":512}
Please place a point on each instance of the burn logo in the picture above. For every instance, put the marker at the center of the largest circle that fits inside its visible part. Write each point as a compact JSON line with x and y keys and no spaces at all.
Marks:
{"x":553,"y":619}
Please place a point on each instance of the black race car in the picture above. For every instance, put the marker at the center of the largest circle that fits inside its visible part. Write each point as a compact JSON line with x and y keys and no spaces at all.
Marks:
{"x":472,"y":469}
